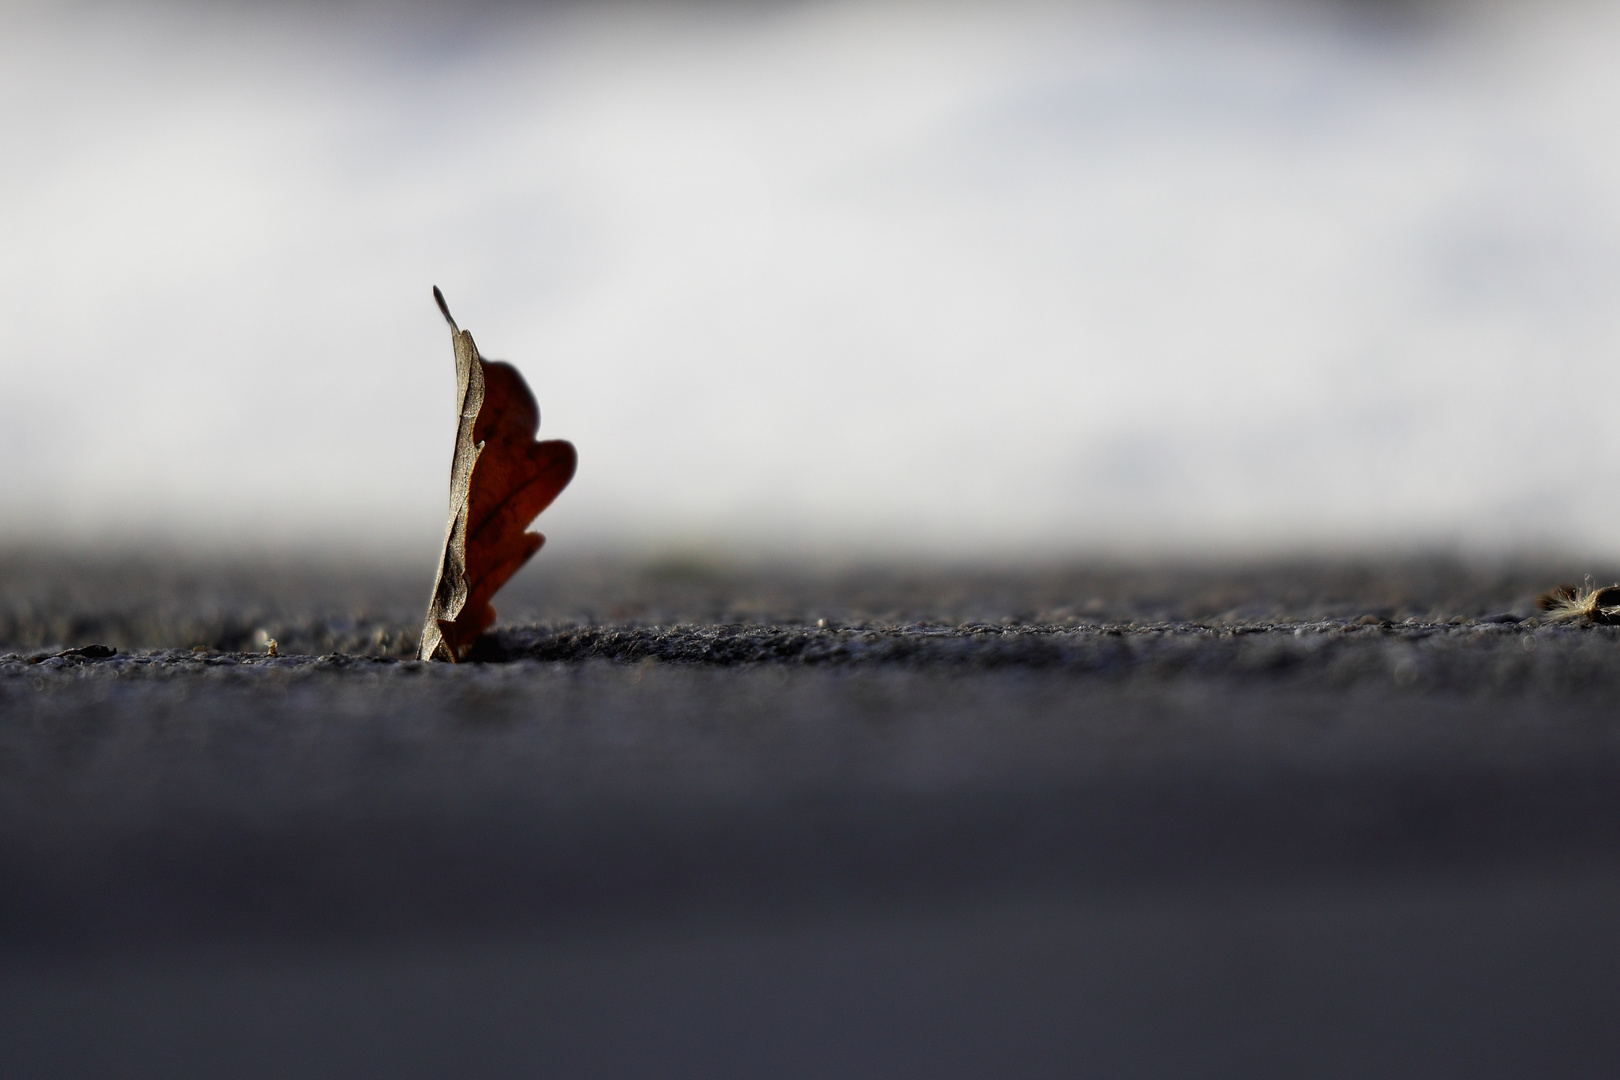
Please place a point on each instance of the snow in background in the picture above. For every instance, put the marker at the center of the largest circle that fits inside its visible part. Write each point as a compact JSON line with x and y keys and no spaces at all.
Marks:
{"x":822,"y":277}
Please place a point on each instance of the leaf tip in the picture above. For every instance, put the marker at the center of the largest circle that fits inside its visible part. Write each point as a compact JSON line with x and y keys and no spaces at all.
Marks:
{"x":444,"y":308}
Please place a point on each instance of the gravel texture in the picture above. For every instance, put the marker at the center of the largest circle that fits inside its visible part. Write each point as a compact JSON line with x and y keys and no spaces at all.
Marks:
{"x":1310,"y":818}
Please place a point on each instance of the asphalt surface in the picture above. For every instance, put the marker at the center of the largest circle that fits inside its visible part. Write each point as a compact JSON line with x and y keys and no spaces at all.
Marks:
{"x":1287,"y":819}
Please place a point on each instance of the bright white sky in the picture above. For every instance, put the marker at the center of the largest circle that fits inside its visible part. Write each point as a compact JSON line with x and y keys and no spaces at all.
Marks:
{"x":830,"y":276}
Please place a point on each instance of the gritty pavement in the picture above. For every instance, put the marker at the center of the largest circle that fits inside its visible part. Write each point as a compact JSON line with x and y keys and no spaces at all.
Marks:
{"x":1310,"y":818}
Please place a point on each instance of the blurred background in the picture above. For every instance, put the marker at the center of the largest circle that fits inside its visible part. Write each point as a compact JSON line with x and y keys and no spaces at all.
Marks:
{"x":946,"y":278}
{"x":1051,"y":575}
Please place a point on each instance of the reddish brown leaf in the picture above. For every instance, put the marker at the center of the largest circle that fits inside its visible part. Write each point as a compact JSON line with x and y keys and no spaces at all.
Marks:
{"x":500,"y":480}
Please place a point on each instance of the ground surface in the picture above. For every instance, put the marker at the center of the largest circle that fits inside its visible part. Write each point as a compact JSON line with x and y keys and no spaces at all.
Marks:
{"x":1307,"y":819}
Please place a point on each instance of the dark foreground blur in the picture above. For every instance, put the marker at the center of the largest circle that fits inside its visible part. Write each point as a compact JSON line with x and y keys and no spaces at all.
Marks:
{"x":1298,"y":819}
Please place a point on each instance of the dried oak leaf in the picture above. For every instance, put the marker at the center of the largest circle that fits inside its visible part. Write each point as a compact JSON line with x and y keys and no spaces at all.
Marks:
{"x":500,"y":480}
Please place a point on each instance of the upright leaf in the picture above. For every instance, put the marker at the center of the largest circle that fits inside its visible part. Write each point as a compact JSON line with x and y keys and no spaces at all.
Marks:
{"x":500,"y":480}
